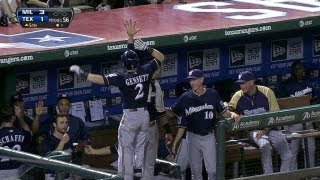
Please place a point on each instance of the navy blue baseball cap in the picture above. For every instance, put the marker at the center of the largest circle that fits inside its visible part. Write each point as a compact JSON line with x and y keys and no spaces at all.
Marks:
{"x":244,"y":77}
{"x":64,"y":96}
{"x":195,"y":73}
{"x":16,"y":98}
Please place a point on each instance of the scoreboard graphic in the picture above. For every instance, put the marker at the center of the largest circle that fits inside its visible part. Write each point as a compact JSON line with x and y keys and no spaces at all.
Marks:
{"x":45,"y":17}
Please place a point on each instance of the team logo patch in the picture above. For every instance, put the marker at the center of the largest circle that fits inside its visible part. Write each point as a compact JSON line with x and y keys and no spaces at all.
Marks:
{"x":46,"y":38}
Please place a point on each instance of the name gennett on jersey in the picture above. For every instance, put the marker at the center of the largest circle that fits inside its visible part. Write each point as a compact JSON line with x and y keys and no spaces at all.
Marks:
{"x":137,"y":79}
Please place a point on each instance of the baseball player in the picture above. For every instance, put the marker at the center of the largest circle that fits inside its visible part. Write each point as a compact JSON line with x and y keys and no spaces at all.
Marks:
{"x":254,"y":99}
{"x":156,"y":112}
{"x":22,"y":119}
{"x":134,"y":85}
{"x":14,"y":138}
{"x":17,"y":100}
{"x":59,"y":140}
{"x":77,"y":130}
{"x":181,"y":155}
{"x":198,"y":108}
{"x":296,"y":86}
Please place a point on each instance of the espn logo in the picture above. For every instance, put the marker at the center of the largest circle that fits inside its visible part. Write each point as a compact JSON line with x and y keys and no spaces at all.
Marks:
{"x":278,"y":50}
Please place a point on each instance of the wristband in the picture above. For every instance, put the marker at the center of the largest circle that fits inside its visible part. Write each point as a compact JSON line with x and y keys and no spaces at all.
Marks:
{"x":130,"y":46}
{"x":85,"y":75}
{"x":150,"y":50}
{"x":167,"y":128}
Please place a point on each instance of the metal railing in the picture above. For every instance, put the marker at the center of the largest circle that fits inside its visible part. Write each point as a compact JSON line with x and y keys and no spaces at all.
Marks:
{"x":260,"y":121}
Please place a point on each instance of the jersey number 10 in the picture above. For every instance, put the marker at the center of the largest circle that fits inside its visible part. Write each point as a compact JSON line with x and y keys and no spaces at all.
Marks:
{"x":209,"y":115}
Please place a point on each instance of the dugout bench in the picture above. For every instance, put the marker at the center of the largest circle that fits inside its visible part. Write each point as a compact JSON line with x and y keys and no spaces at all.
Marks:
{"x":239,"y":151}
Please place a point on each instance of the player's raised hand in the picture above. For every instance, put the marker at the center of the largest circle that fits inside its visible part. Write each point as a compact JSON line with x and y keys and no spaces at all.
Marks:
{"x":76,"y":69}
{"x":131,"y":27}
{"x":80,"y":72}
{"x":65,"y":138}
{"x":140,"y":45}
{"x":39,"y":108}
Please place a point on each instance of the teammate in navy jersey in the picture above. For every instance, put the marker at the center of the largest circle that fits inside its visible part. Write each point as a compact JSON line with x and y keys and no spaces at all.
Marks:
{"x":59,"y":140}
{"x":155,"y":106}
{"x":77,"y":130}
{"x":297,"y":86}
{"x":22,"y":119}
{"x":254,"y":99}
{"x":14,"y":138}
{"x":156,"y":111}
{"x":134,"y":85}
{"x":198,"y":107}
{"x":181,"y":154}
{"x":17,"y":100}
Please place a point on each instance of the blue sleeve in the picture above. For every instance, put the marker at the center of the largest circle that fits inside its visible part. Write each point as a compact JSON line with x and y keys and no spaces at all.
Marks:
{"x":182,"y":122}
{"x":84,"y":135}
{"x":151,"y":66}
{"x":178,"y":107}
{"x":130,"y":46}
{"x":114,"y":79}
{"x":46,"y":147}
{"x":27,"y":141}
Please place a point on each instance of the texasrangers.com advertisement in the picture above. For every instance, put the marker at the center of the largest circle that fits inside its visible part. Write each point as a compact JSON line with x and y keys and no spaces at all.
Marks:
{"x":247,"y":30}
{"x":10,"y":60}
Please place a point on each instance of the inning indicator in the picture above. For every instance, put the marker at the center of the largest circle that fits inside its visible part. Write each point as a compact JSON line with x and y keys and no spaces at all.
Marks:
{"x":45,"y":17}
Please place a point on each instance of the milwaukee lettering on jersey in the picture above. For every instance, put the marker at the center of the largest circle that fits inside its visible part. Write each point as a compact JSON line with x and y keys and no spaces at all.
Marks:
{"x":11,"y":138}
{"x":137,"y":79}
{"x":255,"y":111}
{"x":197,"y":109}
{"x":302,"y":92}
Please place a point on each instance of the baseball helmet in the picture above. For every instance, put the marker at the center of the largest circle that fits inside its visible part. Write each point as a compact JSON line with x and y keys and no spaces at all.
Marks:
{"x":130,"y":59}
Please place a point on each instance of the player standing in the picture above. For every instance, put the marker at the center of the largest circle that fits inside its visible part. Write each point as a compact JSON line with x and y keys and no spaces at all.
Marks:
{"x":181,"y":154}
{"x":254,"y":99}
{"x":14,"y":138}
{"x":297,"y":86}
{"x":134,"y":85}
{"x":198,"y":107}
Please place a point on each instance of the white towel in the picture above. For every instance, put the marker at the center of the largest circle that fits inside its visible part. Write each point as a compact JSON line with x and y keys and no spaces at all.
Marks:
{"x":158,"y":96}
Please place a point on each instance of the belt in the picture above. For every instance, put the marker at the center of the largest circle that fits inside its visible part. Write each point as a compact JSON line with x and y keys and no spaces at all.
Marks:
{"x":151,"y":123}
{"x":203,"y":133}
{"x":136,"y":109}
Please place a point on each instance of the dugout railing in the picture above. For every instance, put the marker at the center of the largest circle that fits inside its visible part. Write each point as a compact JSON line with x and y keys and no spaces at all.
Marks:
{"x":59,"y":161}
{"x":260,"y":121}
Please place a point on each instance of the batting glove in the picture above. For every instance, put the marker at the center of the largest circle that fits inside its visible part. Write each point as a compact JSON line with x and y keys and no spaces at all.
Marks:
{"x":140,"y":45}
{"x":80,"y":72}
